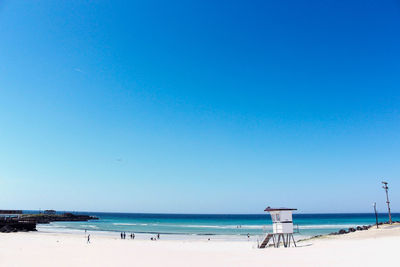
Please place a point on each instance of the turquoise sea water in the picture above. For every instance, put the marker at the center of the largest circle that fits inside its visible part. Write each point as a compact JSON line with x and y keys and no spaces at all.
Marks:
{"x":213,"y":225}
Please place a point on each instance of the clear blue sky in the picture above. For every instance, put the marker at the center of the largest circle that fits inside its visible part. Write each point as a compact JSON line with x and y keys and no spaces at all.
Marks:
{"x":199,"y":106}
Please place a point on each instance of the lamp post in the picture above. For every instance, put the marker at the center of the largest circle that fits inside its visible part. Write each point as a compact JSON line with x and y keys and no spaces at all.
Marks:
{"x":385,"y":186}
{"x":376,"y":215}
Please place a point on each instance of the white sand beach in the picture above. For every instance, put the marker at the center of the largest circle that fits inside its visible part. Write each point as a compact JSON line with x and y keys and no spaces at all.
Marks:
{"x":374,"y":247}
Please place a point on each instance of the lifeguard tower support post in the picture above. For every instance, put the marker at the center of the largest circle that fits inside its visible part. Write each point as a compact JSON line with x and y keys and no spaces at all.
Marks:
{"x":282,"y":227}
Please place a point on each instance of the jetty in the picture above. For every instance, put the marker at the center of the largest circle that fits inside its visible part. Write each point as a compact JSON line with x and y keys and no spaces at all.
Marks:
{"x":16,"y":221}
{"x":64,"y":217}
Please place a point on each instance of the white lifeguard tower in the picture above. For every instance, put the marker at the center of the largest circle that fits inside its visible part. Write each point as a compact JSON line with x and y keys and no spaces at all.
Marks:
{"x":282,"y":227}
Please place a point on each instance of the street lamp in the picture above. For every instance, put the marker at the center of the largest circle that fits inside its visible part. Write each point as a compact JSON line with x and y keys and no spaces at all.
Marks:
{"x":376,"y":215}
{"x":385,"y":186}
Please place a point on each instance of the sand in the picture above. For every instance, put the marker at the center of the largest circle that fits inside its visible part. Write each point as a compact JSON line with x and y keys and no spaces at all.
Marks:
{"x":375,"y":247}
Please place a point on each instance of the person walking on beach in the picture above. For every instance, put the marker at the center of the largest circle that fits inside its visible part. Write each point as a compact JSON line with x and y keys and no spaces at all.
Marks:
{"x":133,"y":235}
{"x":158,"y":236}
{"x":88,"y":239}
{"x":122,"y":235}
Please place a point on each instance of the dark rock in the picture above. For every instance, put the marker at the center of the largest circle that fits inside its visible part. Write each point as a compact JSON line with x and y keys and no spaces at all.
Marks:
{"x":359,"y":228}
{"x":365,"y":227}
{"x":351,"y":229}
{"x":342,"y":231}
{"x":66,"y":217}
{"x":7,"y":229}
{"x":8,"y":226}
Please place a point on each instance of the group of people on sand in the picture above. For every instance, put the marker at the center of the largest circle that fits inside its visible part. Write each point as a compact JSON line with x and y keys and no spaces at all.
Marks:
{"x":155,"y":238}
{"x":123,"y":235}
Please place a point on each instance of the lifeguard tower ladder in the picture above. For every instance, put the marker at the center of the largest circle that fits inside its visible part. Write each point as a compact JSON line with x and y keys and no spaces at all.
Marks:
{"x":282,"y":227}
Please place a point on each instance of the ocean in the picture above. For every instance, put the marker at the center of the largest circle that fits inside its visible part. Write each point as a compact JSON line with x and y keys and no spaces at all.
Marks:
{"x":210,"y":225}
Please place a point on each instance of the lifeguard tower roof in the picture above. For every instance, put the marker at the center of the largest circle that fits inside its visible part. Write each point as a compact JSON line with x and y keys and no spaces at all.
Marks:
{"x":277,"y":209}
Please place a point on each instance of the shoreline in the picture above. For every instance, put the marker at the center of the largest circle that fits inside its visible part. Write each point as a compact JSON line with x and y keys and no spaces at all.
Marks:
{"x":373,"y":247}
{"x":176,"y":236}
{"x":166,"y":236}
{"x":213,"y":237}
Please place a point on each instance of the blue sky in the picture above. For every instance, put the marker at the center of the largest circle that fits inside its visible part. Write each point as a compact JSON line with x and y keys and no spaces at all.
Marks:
{"x":199,"y":106}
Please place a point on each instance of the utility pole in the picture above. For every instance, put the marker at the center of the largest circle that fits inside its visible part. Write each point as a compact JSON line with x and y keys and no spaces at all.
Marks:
{"x":385,"y":186}
{"x":376,"y":215}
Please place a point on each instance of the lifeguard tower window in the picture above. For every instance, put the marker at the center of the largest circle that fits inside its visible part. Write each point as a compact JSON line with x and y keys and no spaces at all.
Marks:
{"x":275,"y":217}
